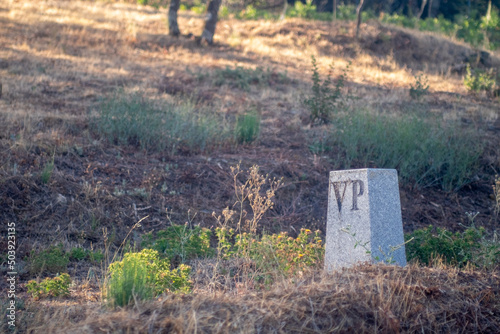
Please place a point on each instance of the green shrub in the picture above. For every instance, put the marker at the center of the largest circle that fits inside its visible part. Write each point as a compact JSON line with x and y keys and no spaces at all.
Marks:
{"x":457,"y":249}
{"x":420,"y":88}
{"x":346,"y":12}
{"x":143,"y":275}
{"x":249,"y":13}
{"x":135,"y":121}
{"x":325,"y":100}
{"x":477,"y":81}
{"x":200,"y":9}
{"x":180,"y":243}
{"x":50,"y":287}
{"x":424,"y":153}
{"x":96,"y":256}
{"x":78,"y":254}
{"x":247,"y":128}
{"x":303,"y":10}
{"x":153,"y":3}
{"x":50,"y":260}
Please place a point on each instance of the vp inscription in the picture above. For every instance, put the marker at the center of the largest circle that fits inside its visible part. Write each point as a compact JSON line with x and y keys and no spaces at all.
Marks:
{"x":339,"y":188}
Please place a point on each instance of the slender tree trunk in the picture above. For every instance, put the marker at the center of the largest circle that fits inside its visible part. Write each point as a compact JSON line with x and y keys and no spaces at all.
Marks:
{"x":173,"y":27}
{"x":358,"y":14}
{"x":429,"y":9}
{"x":283,"y":13}
{"x":334,"y":16}
{"x":211,"y":21}
{"x":424,"y":2}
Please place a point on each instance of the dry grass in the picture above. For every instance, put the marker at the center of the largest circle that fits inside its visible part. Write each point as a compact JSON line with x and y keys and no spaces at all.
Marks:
{"x":365,"y":299}
{"x":58,"y":59}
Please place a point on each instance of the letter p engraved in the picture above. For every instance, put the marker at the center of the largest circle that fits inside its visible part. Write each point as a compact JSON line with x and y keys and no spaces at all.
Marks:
{"x":356,"y":193}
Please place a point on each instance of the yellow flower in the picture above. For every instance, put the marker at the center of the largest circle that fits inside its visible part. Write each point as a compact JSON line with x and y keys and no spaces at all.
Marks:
{"x":301,"y":255}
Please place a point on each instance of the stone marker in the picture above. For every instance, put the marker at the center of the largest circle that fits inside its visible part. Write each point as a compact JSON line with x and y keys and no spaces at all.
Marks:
{"x":364,"y":217}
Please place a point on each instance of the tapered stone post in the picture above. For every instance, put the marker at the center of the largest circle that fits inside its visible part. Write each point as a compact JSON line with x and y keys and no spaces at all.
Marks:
{"x":364,"y":218}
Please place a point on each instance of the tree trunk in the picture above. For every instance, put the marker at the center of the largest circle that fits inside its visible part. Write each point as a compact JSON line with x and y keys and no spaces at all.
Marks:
{"x":429,"y":9}
{"x":424,"y":2}
{"x":358,"y":14}
{"x":283,"y":13}
{"x":211,"y":21}
{"x":173,"y":27}
{"x":334,"y":16}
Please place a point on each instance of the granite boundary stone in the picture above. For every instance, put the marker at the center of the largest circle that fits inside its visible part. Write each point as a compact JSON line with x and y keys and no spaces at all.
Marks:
{"x":364,"y":218}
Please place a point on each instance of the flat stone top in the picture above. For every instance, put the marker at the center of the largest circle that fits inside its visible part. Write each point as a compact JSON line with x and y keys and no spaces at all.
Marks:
{"x":361,"y":170}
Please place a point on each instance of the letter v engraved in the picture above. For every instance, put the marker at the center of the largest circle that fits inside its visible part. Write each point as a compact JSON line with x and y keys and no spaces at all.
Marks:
{"x":336,"y":188}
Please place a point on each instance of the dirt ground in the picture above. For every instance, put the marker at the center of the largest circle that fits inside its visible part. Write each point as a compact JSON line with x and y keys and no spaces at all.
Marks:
{"x":59,"y":59}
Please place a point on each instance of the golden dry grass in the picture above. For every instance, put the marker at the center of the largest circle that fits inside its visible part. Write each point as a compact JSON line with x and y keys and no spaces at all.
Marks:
{"x":364,"y":299}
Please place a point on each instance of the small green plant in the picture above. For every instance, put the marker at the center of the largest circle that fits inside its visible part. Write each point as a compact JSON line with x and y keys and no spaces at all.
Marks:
{"x":50,"y":260}
{"x":50,"y":287}
{"x":78,"y":254}
{"x":247,"y":128}
{"x":325,"y":99}
{"x":47,"y":172}
{"x":420,"y":88}
{"x":477,"y":81}
{"x":470,"y":247}
{"x":143,"y":275}
{"x":180,"y":243}
{"x":385,"y":256}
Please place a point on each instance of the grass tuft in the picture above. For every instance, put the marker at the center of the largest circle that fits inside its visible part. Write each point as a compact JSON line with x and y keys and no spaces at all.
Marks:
{"x":247,"y":128}
{"x":424,"y":153}
{"x":133,"y":120}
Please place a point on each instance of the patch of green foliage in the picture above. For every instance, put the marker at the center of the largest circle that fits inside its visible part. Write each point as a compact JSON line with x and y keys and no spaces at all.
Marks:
{"x":252,"y":13}
{"x":247,"y":128}
{"x":133,"y":120}
{"x":143,"y":275}
{"x":424,"y":152}
{"x":420,"y":87}
{"x":275,"y":255}
{"x":51,"y":260}
{"x":470,"y":247}
{"x":47,"y":172}
{"x":180,"y":243}
{"x":478,"y":81}
{"x":303,"y":10}
{"x":325,"y":100}
{"x":50,"y":287}
{"x":80,"y":254}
